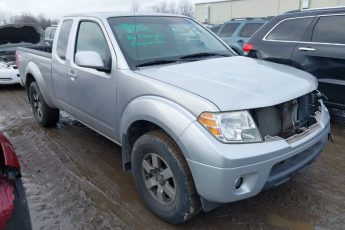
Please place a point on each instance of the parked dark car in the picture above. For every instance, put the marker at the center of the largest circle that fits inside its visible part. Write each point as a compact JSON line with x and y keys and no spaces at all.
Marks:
{"x":14,"y":212}
{"x":238,"y":30}
{"x":311,"y":40}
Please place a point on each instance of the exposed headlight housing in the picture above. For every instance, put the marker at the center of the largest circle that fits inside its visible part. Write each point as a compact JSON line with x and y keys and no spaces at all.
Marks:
{"x":231,"y":127}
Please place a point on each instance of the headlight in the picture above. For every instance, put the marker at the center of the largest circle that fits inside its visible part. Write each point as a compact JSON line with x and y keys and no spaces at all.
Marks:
{"x":231,"y":127}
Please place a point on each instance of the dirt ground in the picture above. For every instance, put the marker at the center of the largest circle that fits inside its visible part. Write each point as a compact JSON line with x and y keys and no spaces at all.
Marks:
{"x":74,"y":180}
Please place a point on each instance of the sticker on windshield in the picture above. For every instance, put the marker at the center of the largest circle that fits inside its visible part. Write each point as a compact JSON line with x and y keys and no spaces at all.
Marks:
{"x":139,"y":35}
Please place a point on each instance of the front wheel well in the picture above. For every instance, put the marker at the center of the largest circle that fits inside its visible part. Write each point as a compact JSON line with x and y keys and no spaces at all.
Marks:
{"x":135,"y":130}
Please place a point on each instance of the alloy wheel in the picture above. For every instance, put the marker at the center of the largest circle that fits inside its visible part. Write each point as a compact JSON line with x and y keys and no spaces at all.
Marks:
{"x":159,"y":179}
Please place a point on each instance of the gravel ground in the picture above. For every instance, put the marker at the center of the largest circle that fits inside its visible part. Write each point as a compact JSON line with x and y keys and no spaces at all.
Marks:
{"x":74,"y":180}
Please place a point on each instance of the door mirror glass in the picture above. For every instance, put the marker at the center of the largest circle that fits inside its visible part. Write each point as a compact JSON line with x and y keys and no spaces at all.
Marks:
{"x":90,"y":59}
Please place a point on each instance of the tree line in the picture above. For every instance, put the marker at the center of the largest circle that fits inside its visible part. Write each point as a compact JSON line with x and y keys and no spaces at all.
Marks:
{"x":184,"y":7}
{"x":26,"y":18}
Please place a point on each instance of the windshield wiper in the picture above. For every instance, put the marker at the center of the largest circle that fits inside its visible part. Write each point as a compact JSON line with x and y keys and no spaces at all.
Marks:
{"x":156,"y":62}
{"x":200,"y":55}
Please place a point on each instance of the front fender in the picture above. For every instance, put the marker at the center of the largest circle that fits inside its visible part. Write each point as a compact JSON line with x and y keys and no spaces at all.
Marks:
{"x":34,"y":71}
{"x":168,"y":115}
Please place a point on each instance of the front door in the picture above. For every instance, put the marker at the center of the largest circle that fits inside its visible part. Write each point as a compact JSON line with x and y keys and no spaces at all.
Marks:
{"x":92,"y":92}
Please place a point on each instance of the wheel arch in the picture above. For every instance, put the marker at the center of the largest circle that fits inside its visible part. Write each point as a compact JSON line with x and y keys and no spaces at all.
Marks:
{"x":33,"y":74}
{"x":150,"y":113}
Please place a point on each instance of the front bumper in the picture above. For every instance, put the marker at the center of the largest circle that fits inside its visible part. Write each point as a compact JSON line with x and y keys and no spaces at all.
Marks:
{"x":9,"y":77}
{"x":216,"y":167}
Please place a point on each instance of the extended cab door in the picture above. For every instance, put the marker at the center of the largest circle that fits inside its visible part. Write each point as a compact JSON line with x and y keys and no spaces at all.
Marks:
{"x":323,"y":55}
{"x":60,"y":64}
{"x":93,"y":92}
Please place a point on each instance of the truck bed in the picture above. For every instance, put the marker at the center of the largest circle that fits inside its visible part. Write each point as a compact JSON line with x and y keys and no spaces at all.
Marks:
{"x":44,"y":51}
{"x":38,"y":62}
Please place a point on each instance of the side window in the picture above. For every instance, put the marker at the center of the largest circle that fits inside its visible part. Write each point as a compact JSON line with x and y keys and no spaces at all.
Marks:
{"x":229,"y":29}
{"x":63,"y":39}
{"x":290,"y":30}
{"x":249,"y":29}
{"x":330,"y":29}
{"x":91,"y":38}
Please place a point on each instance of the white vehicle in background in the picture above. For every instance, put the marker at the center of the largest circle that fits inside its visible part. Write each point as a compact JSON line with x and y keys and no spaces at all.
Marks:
{"x":13,"y":36}
{"x":9,"y":73}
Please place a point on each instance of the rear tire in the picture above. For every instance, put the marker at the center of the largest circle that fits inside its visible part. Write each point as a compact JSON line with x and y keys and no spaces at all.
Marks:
{"x":44,"y":115}
{"x":163,"y":178}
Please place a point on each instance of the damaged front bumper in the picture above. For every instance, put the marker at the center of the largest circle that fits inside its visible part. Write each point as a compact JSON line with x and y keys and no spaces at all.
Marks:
{"x":230,"y":172}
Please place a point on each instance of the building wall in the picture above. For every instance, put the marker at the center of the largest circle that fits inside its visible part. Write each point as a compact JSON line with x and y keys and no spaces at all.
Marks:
{"x":221,"y":11}
{"x":323,"y":3}
{"x":288,"y":5}
{"x":255,"y":8}
{"x":216,"y":12}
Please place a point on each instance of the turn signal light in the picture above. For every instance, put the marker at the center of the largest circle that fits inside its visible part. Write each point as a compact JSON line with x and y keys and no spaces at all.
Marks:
{"x":208,"y":120}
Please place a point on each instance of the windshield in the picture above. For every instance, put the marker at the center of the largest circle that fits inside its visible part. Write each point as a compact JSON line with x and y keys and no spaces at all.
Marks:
{"x":158,"y":40}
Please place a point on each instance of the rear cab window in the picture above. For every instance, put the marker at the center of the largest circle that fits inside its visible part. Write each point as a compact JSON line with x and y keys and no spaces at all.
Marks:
{"x":249,"y":29}
{"x":229,"y":29}
{"x":62,"y":42}
{"x":290,"y":29}
{"x":329,"y":29}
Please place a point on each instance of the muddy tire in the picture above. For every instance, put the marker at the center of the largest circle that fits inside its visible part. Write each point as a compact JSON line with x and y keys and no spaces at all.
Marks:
{"x":44,"y":115}
{"x":163,"y":178}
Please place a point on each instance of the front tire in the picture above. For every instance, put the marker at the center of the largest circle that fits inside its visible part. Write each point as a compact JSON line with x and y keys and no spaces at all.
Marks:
{"x":44,"y":115}
{"x":163,"y":178}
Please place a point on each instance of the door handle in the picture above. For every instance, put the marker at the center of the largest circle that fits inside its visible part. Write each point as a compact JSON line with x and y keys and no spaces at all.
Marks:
{"x":73,"y":75}
{"x":306,"y":49}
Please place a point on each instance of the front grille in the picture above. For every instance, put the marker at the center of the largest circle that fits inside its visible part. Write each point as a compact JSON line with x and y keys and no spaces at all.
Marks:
{"x":287,"y":119}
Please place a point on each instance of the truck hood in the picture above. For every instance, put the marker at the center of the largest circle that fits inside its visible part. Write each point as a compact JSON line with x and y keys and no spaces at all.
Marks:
{"x":236,"y":83}
{"x":13,"y":36}
{"x":20,"y":33}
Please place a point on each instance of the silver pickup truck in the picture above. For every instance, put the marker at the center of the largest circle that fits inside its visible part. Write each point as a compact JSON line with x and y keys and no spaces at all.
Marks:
{"x":199,"y":126}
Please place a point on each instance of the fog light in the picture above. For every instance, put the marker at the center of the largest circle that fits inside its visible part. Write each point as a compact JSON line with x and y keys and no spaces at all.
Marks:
{"x":238,"y":183}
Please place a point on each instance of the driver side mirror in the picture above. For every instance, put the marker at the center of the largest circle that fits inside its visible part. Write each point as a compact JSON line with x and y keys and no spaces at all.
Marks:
{"x":91,"y":59}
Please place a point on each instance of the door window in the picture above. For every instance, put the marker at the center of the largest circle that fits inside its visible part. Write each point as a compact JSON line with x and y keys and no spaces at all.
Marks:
{"x":62,"y":42}
{"x":249,"y":29}
{"x":330,"y":29}
{"x":91,"y":38}
{"x":229,"y":29}
{"x":290,"y":30}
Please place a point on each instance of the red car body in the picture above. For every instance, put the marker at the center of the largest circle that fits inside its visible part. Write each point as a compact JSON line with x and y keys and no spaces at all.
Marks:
{"x":13,"y":205}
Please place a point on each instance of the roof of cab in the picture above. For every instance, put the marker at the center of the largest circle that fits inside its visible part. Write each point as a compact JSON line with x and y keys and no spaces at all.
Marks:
{"x":119,"y":14}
